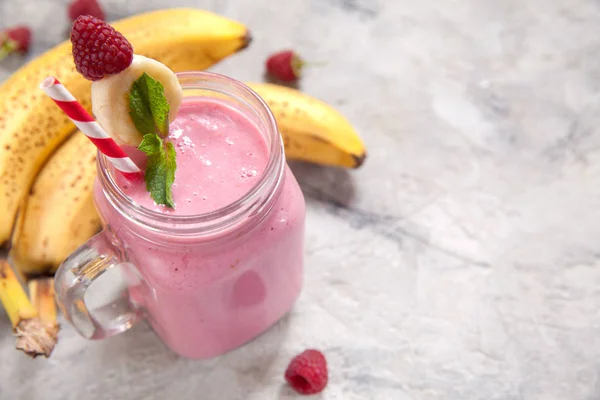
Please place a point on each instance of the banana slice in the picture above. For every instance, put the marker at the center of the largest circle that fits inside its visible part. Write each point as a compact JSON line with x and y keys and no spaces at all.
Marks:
{"x":110,"y":98}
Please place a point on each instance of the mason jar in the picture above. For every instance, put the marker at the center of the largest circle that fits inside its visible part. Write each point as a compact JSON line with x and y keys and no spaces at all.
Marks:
{"x":206,"y":283}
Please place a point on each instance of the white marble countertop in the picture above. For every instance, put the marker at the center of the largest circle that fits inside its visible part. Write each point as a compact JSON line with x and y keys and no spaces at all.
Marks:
{"x":462,"y":262}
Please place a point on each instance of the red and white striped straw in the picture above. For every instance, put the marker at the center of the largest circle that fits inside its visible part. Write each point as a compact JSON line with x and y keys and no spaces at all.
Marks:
{"x":92,"y":129}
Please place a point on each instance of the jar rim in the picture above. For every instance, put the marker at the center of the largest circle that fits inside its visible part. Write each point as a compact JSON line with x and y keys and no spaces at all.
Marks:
{"x":256,"y":201}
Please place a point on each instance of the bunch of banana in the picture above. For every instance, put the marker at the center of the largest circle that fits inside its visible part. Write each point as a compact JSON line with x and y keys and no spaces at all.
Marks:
{"x":32,"y":127}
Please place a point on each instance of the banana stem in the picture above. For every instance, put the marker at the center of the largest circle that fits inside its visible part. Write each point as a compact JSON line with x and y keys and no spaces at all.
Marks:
{"x":41,"y":291}
{"x":34,"y":336}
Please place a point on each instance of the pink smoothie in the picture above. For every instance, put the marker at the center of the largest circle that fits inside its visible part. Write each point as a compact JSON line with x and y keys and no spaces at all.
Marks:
{"x":205,"y":296}
{"x":220,"y":156}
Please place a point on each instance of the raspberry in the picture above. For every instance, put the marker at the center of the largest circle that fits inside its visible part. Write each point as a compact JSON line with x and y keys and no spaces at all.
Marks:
{"x":307,"y":372}
{"x":85,"y":7}
{"x":15,"y":39}
{"x":98,"y":49}
{"x":285,"y":65}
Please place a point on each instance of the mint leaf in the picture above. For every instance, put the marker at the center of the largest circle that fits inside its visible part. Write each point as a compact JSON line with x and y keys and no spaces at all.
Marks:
{"x":139,"y":110}
{"x":160,"y":170}
{"x":148,"y":106}
{"x":151,"y":145}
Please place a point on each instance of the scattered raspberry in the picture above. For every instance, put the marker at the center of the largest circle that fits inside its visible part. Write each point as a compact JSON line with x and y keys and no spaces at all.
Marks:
{"x":14,"y":39}
{"x":285,"y":65}
{"x":98,"y":49}
{"x":307,"y":372}
{"x":20,"y":36}
{"x":86,"y":7}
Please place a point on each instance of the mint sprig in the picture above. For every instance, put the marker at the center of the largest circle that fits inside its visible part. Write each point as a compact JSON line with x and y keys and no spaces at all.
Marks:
{"x":148,"y":106}
{"x":149,"y":110}
{"x":160,"y":170}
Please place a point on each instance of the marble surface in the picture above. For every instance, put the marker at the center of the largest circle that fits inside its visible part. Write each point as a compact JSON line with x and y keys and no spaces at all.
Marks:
{"x":460,"y":263}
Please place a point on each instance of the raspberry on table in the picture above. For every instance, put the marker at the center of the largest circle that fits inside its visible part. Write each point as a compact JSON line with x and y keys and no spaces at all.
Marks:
{"x":285,"y":65}
{"x":18,"y":38}
{"x":85,"y":7}
{"x":307,"y":372}
{"x":98,"y":49}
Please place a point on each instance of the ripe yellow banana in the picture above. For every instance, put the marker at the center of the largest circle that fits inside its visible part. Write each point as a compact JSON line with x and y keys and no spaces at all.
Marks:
{"x":36,"y":335}
{"x":59,"y":213}
{"x":31,"y":126}
{"x":312,"y":130}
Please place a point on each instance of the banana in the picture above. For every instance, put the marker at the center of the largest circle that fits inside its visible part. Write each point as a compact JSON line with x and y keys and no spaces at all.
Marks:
{"x":59,"y":213}
{"x":110,"y":100}
{"x":312,"y":130}
{"x":31,"y":126}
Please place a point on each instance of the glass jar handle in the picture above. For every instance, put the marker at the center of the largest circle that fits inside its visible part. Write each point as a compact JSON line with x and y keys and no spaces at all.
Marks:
{"x":73,"y":278}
